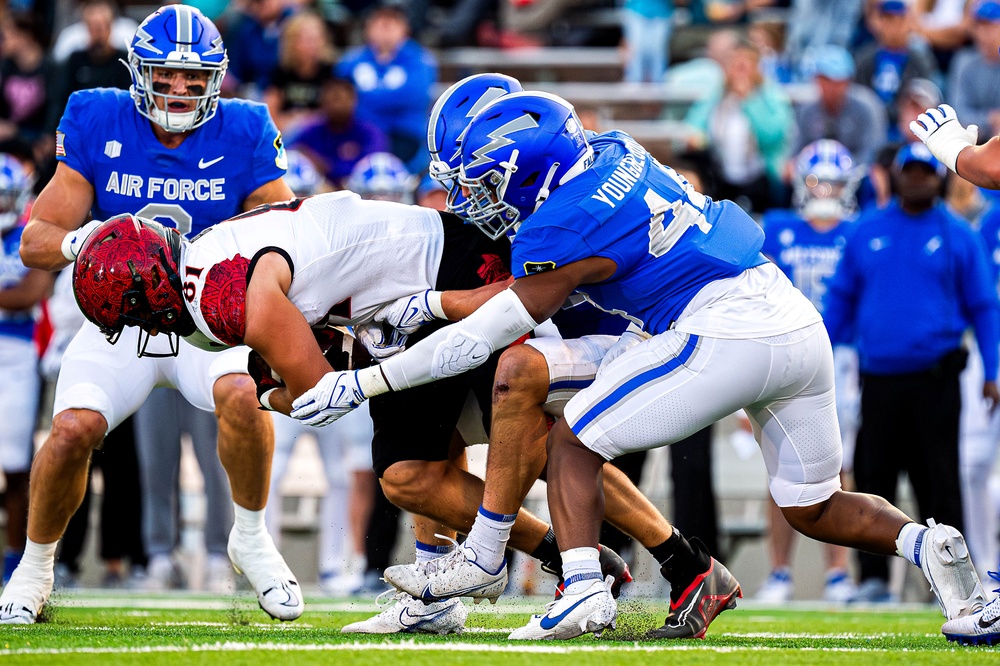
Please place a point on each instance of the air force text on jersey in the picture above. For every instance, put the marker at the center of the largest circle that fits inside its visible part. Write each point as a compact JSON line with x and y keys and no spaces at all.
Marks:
{"x":171,"y":189}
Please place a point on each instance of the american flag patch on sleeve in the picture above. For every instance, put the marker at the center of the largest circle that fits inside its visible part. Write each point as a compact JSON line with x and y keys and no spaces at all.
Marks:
{"x":60,"y":144}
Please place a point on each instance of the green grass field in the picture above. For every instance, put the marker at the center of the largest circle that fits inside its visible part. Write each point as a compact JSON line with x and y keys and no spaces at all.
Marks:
{"x":180,"y":629}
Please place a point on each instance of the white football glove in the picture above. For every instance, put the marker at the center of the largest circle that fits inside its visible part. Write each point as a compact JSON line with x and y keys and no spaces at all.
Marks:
{"x":632,"y":336}
{"x":335,"y":395}
{"x":409,"y":313}
{"x":73,"y":241}
{"x":380,"y":344}
{"x":938,"y":127}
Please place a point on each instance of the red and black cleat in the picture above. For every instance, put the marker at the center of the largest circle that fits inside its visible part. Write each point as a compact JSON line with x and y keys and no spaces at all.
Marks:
{"x":612,"y":564}
{"x":693,"y":610}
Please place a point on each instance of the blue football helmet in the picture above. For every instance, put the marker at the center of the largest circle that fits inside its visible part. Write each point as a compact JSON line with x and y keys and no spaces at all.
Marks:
{"x":301,"y":176}
{"x":15,"y":189}
{"x":176,"y":37}
{"x":382,"y":176}
{"x":515,"y":152}
{"x":449,"y":119}
{"x":826,"y":181}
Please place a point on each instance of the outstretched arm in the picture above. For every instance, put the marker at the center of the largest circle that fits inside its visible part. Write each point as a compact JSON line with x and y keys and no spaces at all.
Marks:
{"x":457,"y":348}
{"x":955,"y":146}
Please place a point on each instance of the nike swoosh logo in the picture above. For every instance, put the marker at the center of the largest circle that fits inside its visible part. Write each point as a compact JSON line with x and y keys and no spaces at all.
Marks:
{"x":428,"y":593}
{"x":419,"y":619}
{"x":548,"y":622}
{"x":410,"y":316}
{"x":202,"y":164}
{"x":987,"y":625}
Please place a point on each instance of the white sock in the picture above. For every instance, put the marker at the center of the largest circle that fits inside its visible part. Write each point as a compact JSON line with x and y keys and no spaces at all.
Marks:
{"x":910,"y":541}
{"x":41,"y":556}
{"x":581,"y":567}
{"x":247,"y":522}
{"x":427,"y":552}
{"x":488,"y":538}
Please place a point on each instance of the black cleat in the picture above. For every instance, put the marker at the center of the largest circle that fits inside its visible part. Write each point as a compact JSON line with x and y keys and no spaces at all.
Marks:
{"x":709,"y":594}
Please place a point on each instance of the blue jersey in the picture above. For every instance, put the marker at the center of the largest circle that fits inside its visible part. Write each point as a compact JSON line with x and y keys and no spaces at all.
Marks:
{"x":808,"y":257}
{"x":667,"y":240}
{"x":200,"y":183}
{"x":990,"y":230}
{"x":21,"y":323}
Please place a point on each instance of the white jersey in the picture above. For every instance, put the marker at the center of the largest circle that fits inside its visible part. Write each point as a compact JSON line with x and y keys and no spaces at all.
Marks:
{"x":348,"y":257}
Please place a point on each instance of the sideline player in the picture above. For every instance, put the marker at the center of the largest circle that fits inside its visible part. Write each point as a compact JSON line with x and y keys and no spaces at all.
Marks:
{"x":729,"y":331}
{"x":175,"y":152}
{"x":806,"y":243}
{"x":533,"y":383}
{"x":956,"y":147}
{"x":21,"y":289}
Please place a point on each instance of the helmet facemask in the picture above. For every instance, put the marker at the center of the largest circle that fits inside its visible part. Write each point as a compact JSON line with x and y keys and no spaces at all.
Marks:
{"x":125,"y":277}
{"x":179,"y":40}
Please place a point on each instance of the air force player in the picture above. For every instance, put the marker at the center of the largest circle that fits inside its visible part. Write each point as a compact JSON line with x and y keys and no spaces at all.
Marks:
{"x":168,"y":149}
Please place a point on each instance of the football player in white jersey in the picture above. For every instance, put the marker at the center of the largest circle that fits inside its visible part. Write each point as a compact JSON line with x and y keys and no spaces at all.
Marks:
{"x":172,"y":149}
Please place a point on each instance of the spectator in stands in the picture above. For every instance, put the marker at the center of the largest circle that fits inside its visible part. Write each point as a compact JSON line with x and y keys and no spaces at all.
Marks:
{"x":913,"y":277}
{"x":646,"y":27}
{"x":974,"y":79}
{"x":814,"y":24}
{"x":748,"y":126}
{"x":252,"y":44}
{"x":27,"y":77}
{"x":339,"y":139}
{"x":97,"y":64}
{"x":768,"y":37}
{"x":705,"y":73}
{"x":944,"y":24}
{"x":305,"y":61}
{"x":887,"y":64}
{"x":733,"y":11}
{"x":394,"y":76}
{"x":76,"y":36}
{"x":845,"y":111}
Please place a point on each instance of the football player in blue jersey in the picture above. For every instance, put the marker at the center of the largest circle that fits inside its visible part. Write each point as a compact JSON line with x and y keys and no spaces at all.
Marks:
{"x":21,"y":289}
{"x":532,"y":384}
{"x":167,"y":149}
{"x":806,"y":244}
{"x":728,"y":331}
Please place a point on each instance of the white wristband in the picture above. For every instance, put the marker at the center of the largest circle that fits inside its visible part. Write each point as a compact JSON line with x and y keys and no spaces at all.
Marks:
{"x":265,"y":400}
{"x":372,"y":382}
{"x":434,"y":304}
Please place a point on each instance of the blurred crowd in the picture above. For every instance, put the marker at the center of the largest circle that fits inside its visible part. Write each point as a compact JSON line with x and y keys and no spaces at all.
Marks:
{"x":350,"y":83}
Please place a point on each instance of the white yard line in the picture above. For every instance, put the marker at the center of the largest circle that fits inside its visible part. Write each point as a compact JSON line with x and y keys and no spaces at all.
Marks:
{"x":411,"y":646}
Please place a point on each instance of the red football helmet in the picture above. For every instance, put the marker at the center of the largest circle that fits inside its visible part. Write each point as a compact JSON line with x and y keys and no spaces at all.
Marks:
{"x":126,"y":275}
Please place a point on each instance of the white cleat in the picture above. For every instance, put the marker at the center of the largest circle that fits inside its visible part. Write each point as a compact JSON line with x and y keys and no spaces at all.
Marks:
{"x":409,"y":615}
{"x":278,"y":592}
{"x":453,"y":575}
{"x":571,"y":615}
{"x":981,"y":628}
{"x":946,"y":564}
{"x":24,"y":595}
